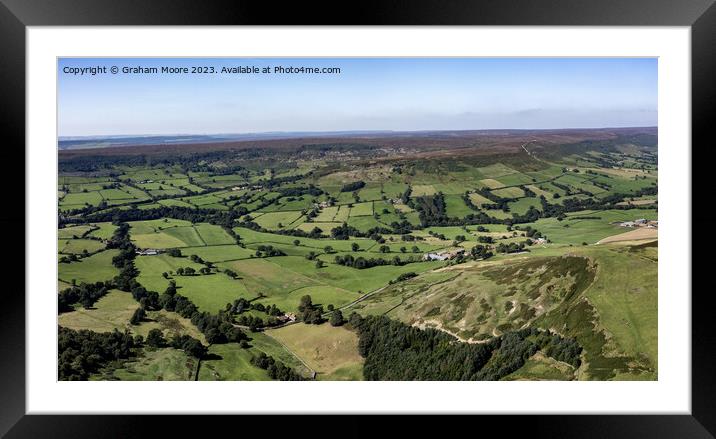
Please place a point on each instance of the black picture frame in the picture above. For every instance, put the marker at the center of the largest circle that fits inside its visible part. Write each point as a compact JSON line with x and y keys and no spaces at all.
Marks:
{"x":16,"y":15}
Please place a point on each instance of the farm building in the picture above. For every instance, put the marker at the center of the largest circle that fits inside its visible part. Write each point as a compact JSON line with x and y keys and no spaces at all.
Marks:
{"x":442,"y":256}
{"x":287,"y":317}
{"x":434,"y":257}
{"x":148,"y":252}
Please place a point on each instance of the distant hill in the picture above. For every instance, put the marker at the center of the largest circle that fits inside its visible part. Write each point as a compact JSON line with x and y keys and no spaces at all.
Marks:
{"x":93,"y":142}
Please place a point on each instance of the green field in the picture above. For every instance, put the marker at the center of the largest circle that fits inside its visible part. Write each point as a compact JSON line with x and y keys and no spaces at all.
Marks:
{"x":209,"y":292}
{"x":78,"y":246}
{"x":327,"y":214}
{"x":95,"y":268}
{"x":277,"y":220}
{"x":219,"y":253}
{"x":92,"y":194}
{"x":456,"y":206}
{"x":362,"y":209}
{"x":110,"y":312}
{"x":229,"y":362}
{"x":252,"y":237}
{"x":188,"y":235}
{"x":177,"y":234}
{"x":521,"y":206}
{"x":153,"y":226}
{"x":325,"y":227}
{"x":284,"y":279}
{"x":574,"y":230}
{"x":104,"y":231}
{"x":70,"y":232}
{"x":213,"y":235}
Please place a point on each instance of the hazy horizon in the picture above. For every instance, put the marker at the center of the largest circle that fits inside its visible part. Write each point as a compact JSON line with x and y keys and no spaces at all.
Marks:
{"x":366,"y":131}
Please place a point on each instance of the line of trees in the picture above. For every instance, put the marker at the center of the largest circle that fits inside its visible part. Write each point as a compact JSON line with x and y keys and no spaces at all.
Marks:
{"x":85,"y":294}
{"x":276,"y":370}
{"x":298,"y":191}
{"x":512,"y":247}
{"x":361,"y":263}
{"x":353,"y":186}
{"x":254,"y":322}
{"x":266,"y":251}
{"x":403,"y":276}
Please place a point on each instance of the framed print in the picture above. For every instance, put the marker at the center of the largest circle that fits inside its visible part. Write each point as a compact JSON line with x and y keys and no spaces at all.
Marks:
{"x":229,"y":211}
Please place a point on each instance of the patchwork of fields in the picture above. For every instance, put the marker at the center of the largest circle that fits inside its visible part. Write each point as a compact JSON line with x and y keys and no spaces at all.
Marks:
{"x":260,"y":262}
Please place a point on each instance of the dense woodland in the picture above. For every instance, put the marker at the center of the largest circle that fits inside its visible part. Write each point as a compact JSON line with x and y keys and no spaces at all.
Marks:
{"x":396,"y":351}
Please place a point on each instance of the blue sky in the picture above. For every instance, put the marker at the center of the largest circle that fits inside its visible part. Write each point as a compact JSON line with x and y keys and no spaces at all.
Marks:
{"x":368,"y":94}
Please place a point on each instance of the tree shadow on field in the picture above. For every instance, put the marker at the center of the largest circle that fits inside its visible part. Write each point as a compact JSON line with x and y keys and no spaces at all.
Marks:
{"x":212,"y":356}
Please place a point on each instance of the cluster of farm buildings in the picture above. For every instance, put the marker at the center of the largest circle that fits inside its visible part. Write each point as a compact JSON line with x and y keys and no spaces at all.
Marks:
{"x":245,"y":187}
{"x":452,"y":254}
{"x":443,"y":255}
{"x":649,"y":224}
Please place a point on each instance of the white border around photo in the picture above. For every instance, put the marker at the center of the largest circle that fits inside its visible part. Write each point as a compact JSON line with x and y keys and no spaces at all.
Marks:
{"x":669,"y":394}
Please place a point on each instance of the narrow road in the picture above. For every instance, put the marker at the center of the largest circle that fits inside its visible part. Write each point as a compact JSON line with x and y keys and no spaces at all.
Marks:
{"x":363,"y":297}
{"x":524,"y":146}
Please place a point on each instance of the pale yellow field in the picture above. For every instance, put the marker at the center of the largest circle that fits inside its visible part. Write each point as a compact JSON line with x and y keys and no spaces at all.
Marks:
{"x":326,"y":227}
{"x":478,"y":200}
{"x":326,"y":349}
{"x":491,"y":183}
{"x":403,"y":208}
{"x":423,"y":189}
{"x":640,"y":233}
{"x":538,"y":191}
{"x":636,"y":202}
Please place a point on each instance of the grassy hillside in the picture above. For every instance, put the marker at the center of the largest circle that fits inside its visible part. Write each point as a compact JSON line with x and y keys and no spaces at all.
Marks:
{"x":605,"y":296}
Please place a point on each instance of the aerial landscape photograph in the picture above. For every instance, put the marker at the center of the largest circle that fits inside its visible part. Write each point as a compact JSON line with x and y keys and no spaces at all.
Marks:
{"x":357,"y":219}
